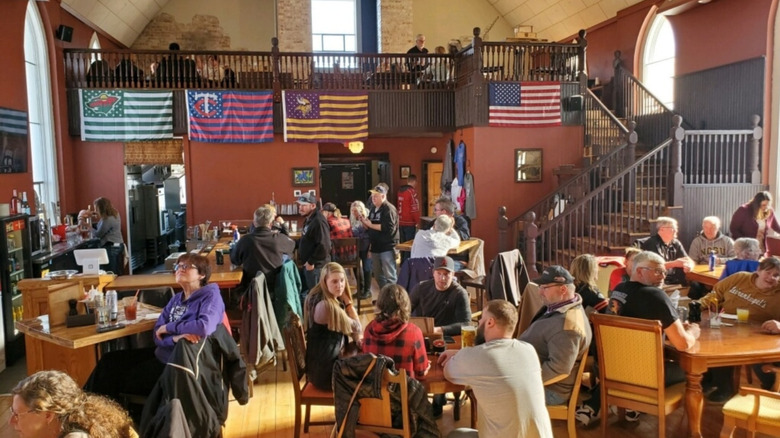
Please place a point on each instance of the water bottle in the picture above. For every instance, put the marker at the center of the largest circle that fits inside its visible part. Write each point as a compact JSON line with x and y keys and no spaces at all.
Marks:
{"x":713,"y":261}
{"x":112,"y":305}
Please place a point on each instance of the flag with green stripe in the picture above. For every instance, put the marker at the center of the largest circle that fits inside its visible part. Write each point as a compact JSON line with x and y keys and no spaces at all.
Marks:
{"x":116,"y":115}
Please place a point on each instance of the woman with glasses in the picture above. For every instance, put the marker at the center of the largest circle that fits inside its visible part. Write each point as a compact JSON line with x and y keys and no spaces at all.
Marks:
{"x":190,"y":316}
{"x":49,"y":404}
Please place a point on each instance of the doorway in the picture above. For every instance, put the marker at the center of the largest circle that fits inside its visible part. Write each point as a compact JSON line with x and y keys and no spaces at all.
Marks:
{"x":432,"y":171}
{"x":343,"y":183}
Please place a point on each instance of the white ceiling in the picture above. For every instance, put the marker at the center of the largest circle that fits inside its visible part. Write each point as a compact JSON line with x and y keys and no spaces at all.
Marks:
{"x":124,"y":20}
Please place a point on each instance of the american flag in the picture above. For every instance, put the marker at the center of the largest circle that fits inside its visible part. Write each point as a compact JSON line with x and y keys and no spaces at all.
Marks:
{"x":525,"y":104}
{"x":327,"y":117}
{"x":231,"y":116}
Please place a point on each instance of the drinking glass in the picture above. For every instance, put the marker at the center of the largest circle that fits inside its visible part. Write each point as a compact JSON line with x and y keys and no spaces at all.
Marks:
{"x":743,"y":314}
{"x":467,"y":335}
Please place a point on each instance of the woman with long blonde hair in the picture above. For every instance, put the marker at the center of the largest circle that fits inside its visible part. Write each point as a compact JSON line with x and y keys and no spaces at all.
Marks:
{"x":330,"y":319}
{"x":357,"y":212}
{"x":585,"y":270}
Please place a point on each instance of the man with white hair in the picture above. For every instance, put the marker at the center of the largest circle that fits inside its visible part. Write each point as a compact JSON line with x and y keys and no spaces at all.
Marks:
{"x":437,"y":241}
{"x":711,"y":240}
{"x":262,"y":250}
{"x":665,"y":244}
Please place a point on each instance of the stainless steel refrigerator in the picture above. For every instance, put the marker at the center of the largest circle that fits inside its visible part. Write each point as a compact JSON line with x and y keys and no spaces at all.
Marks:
{"x":15,"y":254}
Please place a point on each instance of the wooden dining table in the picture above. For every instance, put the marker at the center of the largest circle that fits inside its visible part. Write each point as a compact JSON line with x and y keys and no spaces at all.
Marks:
{"x":703,"y":275}
{"x":463,"y":246}
{"x":435,"y":383}
{"x":735,"y":345}
{"x":75,"y":349}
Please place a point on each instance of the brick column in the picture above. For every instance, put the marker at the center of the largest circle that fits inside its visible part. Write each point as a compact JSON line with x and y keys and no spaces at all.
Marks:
{"x":294,"y":25}
{"x":395,"y":26}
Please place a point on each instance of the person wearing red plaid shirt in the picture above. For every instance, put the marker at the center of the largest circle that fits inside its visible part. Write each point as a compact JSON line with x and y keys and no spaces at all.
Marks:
{"x":340,"y":226}
{"x":392,"y":335}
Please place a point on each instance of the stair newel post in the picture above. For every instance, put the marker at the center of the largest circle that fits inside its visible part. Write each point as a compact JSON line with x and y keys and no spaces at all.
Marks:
{"x":581,"y":75}
{"x":675,"y":183}
{"x":275,"y":61}
{"x":531,"y":232}
{"x":477,"y":78}
{"x":631,"y":139}
{"x":617,"y":85}
{"x":503,"y":227}
{"x":752,"y":164}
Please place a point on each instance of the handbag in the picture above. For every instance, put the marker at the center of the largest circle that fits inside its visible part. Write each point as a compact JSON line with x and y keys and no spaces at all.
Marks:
{"x":337,"y":431}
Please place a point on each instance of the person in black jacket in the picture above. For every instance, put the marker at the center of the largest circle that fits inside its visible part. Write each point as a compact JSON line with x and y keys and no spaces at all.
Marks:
{"x":382,"y":226}
{"x":314,"y":245}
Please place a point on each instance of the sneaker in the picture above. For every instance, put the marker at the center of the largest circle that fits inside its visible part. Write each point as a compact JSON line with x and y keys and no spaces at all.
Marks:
{"x":586,"y":415}
{"x":632,"y":416}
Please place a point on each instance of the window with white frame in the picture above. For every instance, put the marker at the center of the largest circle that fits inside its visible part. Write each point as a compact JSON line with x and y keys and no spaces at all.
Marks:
{"x":334,"y":25}
{"x":658,"y":61}
{"x":39,"y":107}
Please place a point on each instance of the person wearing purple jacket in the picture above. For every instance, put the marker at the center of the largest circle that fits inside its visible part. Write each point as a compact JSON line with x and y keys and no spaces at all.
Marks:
{"x":192,"y":314}
{"x":189,"y":316}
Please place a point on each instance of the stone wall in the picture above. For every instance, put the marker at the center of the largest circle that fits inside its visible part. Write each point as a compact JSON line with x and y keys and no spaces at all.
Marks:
{"x":293,"y":20}
{"x":202,"y":33}
{"x":395,"y":19}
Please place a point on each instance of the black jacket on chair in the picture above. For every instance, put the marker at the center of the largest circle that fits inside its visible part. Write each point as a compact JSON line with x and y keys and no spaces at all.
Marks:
{"x":200,"y":376}
{"x":346,"y":376}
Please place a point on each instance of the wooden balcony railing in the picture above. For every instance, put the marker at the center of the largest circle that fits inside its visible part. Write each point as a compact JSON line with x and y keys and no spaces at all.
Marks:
{"x":97,"y":68}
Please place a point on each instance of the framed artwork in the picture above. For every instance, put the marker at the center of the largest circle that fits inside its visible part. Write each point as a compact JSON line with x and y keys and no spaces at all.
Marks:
{"x":528,"y":165}
{"x":303,"y":176}
{"x":406,"y":171}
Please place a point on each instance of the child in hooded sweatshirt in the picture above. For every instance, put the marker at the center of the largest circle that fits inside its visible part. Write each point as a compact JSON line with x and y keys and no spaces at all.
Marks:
{"x":391,"y":334}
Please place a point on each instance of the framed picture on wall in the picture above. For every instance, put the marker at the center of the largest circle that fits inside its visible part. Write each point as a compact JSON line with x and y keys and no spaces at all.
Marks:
{"x":406,"y":171}
{"x":528,"y":165}
{"x":303,"y":176}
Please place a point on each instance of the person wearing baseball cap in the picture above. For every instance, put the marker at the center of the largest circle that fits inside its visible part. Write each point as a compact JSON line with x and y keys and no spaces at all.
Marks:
{"x":314,"y":245}
{"x":444,"y":300}
{"x":559,"y":333}
{"x":382,"y":226}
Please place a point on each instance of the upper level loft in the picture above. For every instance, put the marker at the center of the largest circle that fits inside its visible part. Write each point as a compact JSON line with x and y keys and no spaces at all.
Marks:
{"x":408,"y":93}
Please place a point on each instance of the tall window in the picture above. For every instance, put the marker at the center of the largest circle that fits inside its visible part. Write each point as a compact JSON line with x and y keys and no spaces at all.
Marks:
{"x":658,"y":61}
{"x":334,"y":25}
{"x":39,"y":104}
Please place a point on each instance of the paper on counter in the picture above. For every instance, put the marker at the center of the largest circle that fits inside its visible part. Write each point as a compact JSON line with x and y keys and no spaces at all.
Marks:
{"x":152,"y":315}
{"x":728,"y":316}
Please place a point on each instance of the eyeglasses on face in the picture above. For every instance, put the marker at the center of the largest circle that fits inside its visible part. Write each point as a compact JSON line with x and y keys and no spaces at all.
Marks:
{"x":183,"y":267}
{"x":16,"y":415}
{"x":547,"y":286}
{"x":657,"y":271}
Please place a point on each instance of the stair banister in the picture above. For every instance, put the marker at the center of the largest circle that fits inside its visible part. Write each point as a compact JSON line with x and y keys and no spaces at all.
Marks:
{"x":758,"y":133}
{"x":676,"y":178}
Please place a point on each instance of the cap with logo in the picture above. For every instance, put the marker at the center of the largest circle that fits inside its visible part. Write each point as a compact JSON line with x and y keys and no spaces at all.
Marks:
{"x":308,"y":198}
{"x":444,"y":263}
{"x":555,"y":274}
{"x":379,"y":189}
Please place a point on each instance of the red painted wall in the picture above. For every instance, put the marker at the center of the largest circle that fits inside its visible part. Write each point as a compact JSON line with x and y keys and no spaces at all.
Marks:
{"x":13,"y":92}
{"x":721,"y":32}
{"x":491,"y":153}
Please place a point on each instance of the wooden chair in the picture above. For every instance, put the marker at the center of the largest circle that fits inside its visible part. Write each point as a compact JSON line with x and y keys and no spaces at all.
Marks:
{"x":375,"y":413}
{"x":344,"y":251}
{"x":305,"y":393}
{"x":753,"y":409}
{"x":567,"y":411}
{"x":631,"y":368}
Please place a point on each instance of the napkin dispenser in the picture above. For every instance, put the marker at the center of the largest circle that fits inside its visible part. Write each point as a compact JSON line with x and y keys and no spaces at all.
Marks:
{"x":74,"y":319}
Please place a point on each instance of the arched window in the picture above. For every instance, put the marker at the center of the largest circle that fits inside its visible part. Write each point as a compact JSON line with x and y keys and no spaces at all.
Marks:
{"x":658,"y":61}
{"x":39,"y":107}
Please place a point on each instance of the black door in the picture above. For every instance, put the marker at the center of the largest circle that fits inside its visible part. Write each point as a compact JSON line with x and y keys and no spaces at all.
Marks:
{"x":342,"y":184}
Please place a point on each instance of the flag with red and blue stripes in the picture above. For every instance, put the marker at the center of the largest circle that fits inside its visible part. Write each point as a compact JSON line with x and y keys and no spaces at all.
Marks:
{"x":230,"y":116}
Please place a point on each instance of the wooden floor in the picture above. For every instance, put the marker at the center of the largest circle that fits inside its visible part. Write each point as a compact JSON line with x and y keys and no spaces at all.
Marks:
{"x":270,"y":413}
